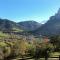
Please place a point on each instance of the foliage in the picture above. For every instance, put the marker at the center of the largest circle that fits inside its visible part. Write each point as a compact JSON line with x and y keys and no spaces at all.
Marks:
{"x":55,"y":40}
{"x":5,"y":50}
{"x":31,"y":49}
{"x":20,"y":47}
{"x":23,"y":48}
{"x":43,"y":50}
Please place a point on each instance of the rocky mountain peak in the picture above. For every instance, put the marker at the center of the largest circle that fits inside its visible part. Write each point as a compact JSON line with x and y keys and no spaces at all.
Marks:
{"x":59,"y":10}
{"x":58,"y":13}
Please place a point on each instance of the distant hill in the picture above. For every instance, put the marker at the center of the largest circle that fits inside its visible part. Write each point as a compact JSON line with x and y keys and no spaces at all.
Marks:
{"x":52,"y":27}
{"x":29,"y":25}
{"x":10,"y":26}
{"x":7,"y":25}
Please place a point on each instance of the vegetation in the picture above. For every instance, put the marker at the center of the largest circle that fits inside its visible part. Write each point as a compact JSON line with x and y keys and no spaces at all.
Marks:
{"x":23,"y":47}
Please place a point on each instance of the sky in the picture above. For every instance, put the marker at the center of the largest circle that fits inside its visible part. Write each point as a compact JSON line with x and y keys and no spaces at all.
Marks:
{"x":24,"y":10}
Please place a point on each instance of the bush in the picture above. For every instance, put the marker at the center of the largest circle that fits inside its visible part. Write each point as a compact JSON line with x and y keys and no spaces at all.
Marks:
{"x":5,"y":50}
{"x":31,"y":49}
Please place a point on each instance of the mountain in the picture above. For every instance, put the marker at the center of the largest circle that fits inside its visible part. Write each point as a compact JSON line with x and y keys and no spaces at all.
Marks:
{"x":29,"y":25}
{"x":51,"y":27}
{"x":7,"y":25}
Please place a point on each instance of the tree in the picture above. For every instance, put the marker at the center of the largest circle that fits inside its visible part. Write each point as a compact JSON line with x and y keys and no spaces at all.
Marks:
{"x":31,"y":49}
{"x":43,"y":50}
{"x":55,"y":40}
{"x":21,"y":46}
{"x":5,"y":50}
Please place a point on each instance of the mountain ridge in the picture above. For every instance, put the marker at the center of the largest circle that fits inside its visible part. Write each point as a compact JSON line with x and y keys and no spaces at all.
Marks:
{"x":51,"y":27}
{"x":7,"y":25}
{"x":29,"y":25}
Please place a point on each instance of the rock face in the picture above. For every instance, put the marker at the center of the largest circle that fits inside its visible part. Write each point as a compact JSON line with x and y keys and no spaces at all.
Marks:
{"x":29,"y":25}
{"x":52,"y":27}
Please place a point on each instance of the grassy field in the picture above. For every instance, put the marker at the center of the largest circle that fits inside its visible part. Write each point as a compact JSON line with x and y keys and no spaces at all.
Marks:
{"x":55,"y":54}
{"x":3,"y":35}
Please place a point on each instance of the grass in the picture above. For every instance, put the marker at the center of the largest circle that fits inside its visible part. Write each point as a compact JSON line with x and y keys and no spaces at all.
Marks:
{"x":55,"y":54}
{"x":3,"y":44}
{"x":3,"y":34}
{"x":17,"y":30}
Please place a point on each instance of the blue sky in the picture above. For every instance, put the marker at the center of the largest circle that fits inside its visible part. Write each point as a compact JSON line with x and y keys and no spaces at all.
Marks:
{"x":24,"y":10}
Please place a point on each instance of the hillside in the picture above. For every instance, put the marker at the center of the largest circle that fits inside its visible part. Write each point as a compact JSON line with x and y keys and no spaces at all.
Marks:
{"x":7,"y":25}
{"x":52,"y":27}
{"x":20,"y":27}
{"x":29,"y":25}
